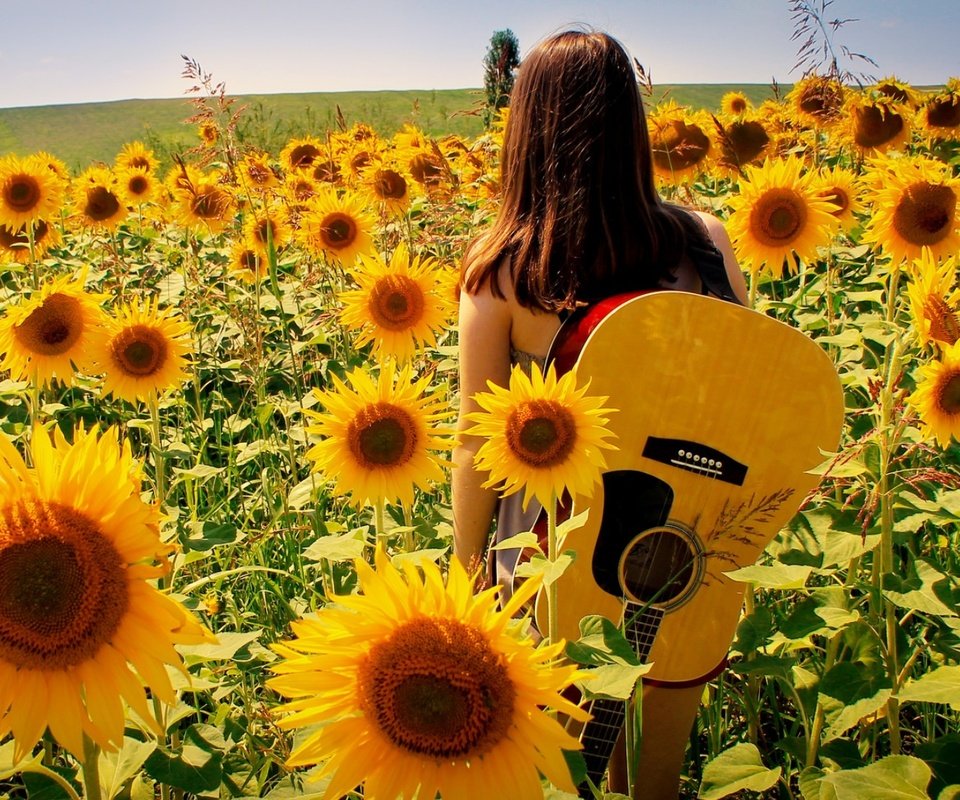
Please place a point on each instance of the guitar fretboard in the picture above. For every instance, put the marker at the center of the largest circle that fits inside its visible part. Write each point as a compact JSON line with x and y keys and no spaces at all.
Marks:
{"x":600,"y":734}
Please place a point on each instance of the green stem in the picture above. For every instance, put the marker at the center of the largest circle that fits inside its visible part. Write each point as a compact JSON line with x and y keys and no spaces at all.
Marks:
{"x":754,"y":280}
{"x":378,"y":522}
{"x":553,"y":625}
{"x":91,"y":769}
{"x":819,"y":716}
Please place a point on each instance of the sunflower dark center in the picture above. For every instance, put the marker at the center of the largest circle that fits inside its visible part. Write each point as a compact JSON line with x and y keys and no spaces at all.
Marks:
{"x":738,"y":105}
{"x":390,"y":184}
{"x":924,"y":214}
{"x":210,"y":203}
{"x":22,"y":193}
{"x":744,"y":142}
{"x":426,"y":169}
{"x":838,"y":198}
{"x":396,"y":302}
{"x":53,"y":327}
{"x":102,"y":204}
{"x":303,"y":155}
{"x":382,"y":435}
{"x":437,"y":688}
{"x":944,"y":113}
{"x":948,"y":396}
{"x":327,"y":171}
{"x":139,"y":350}
{"x":140,"y":162}
{"x":821,"y":100}
{"x":875,"y":127}
{"x":63,"y":587}
{"x":541,"y":433}
{"x":680,"y":146}
{"x":338,"y":230}
{"x":778,"y":217}
{"x":138,"y":185}
{"x":894,"y":92}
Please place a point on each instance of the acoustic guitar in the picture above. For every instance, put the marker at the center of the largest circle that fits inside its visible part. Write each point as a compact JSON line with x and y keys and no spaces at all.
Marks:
{"x":723,"y":412}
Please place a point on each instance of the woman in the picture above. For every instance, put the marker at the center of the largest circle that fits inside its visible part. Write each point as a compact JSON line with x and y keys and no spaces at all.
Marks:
{"x":580,"y":219}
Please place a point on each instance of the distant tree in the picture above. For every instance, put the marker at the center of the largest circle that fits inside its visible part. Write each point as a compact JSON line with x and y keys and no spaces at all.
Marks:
{"x":500,"y":62}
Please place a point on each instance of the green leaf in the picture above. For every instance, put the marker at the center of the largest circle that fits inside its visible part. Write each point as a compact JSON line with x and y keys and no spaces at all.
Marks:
{"x":226,"y":647}
{"x":849,"y":682}
{"x":775,"y":576}
{"x":761,"y":664}
{"x":890,"y":778}
{"x":614,"y":680}
{"x":753,"y":631}
{"x":951,"y":792}
{"x":207,"y":535}
{"x":518,"y":541}
{"x":938,"y":686}
{"x":918,"y":590}
{"x":199,"y":472}
{"x":943,"y":757}
{"x":193,"y":768}
{"x":344,"y":547}
{"x":810,"y":782}
{"x":734,"y":770}
{"x":118,"y":768}
{"x":542,"y":566}
{"x":601,"y":642}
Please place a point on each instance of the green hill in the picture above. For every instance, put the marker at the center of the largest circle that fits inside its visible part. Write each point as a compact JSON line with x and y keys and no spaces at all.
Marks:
{"x":86,"y":132}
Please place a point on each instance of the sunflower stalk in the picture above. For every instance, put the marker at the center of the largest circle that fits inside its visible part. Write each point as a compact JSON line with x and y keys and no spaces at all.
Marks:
{"x":91,"y":769}
{"x":553,"y":618}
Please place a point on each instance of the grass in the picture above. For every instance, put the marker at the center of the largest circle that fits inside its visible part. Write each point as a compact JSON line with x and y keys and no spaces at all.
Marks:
{"x":83,"y":133}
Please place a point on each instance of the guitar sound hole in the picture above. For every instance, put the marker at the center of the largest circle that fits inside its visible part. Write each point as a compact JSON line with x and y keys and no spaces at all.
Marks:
{"x":658,"y":567}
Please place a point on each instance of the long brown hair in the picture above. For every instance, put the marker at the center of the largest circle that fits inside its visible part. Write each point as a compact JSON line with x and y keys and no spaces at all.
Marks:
{"x":580,"y":217}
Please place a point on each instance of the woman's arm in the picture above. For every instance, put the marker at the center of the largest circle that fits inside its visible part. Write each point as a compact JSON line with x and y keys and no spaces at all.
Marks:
{"x":722,"y":240}
{"x":484,"y":329}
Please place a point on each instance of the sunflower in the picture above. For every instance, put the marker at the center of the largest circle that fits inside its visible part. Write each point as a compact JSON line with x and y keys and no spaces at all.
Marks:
{"x":386,"y":186}
{"x":875,"y":123}
{"x":430,"y":170}
{"x":817,"y":100}
{"x":916,"y":207}
{"x":97,"y":196}
{"x":209,"y":133}
{"x":29,"y":190}
{"x":399,"y":306}
{"x":301,"y":153}
{"x":841,"y":189}
{"x":54,"y":164}
{"x":142,"y":352}
{"x":681,"y":144}
{"x":297,"y":190}
{"x":327,"y":171}
{"x":79,"y":617}
{"x":267,"y":224}
{"x":16,"y":243}
{"x":937,"y":397}
{"x":248,"y":265}
{"x":543,"y":435}
{"x":409,"y":137}
{"x":355,"y":161}
{"x":939,"y":116}
{"x":743,"y":141}
{"x":897,"y":90}
{"x":202,"y":202}
{"x":934,"y":300}
{"x":417,"y":688}
{"x":337,"y":227}
{"x":734,"y":104}
{"x":135,"y":155}
{"x":256,"y":173}
{"x":137,"y":186}
{"x":776,"y":213}
{"x":45,"y":335}
{"x":378,"y":439}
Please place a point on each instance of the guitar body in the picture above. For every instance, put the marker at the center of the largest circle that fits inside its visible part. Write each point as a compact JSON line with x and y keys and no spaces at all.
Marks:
{"x":722,"y":412}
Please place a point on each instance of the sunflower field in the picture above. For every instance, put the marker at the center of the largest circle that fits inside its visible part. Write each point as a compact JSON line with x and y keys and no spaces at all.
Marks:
{"x":228,"y":389}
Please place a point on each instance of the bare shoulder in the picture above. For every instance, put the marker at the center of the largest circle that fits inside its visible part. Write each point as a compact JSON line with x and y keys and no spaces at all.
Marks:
{"x":718,"y":233}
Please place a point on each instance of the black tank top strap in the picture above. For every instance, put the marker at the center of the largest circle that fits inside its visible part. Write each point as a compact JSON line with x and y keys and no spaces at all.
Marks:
{"x":710,"y":265}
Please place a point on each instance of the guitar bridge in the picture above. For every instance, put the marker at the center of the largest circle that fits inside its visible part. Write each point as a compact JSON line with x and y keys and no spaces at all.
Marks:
{"x":695,"y":457}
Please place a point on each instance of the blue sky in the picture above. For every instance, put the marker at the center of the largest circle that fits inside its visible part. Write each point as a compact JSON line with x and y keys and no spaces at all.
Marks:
{"x":66,"y":51}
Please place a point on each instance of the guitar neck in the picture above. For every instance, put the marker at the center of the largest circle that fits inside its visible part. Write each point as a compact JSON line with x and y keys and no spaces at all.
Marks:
{"x":600,"y":734}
